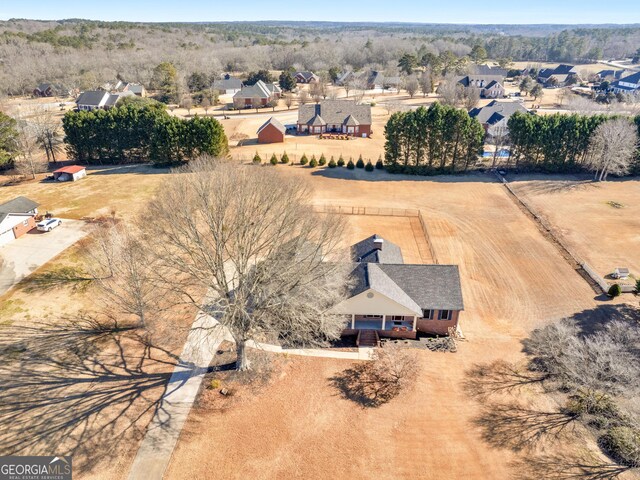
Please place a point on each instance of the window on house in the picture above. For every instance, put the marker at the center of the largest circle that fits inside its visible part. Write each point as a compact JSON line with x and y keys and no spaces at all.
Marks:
{"x":427,"y":314}
{"x":397,"y":318}
{"x":444,"y":315}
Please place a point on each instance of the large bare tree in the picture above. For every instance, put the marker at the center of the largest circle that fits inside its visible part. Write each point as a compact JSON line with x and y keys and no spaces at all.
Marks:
{"x":242,"y":244}
{"x":28,"y":160}
{"x":612,"y":148}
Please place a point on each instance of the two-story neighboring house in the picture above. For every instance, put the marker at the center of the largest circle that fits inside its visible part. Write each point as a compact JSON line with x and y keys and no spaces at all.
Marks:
{"x":398,"y":300}
{"x":495,"y":115}
{"x":256,"y":96}
{"x":306,"y":77}
{"x":560,"y":76}
{"x":629,"y":84}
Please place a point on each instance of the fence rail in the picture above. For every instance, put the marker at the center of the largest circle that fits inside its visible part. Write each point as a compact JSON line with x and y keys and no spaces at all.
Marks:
{"x":374,"y":211}
{"x":427,"y":237}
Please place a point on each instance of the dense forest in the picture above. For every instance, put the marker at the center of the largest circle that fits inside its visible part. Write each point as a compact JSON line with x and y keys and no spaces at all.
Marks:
{"x":82,"y":54}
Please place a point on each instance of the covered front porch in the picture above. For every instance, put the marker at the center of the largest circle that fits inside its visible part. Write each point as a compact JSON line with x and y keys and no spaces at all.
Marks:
{"x":392,"y":326}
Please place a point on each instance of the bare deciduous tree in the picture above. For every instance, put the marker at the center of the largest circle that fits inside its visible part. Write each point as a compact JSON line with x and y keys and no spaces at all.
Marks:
{"x":450,"y":90}
{"x":241,"y":244}
{"x":612,"y":148}
{"x":48,"y":132}
{"x":122,"y":267}
{"x":426,"y":84}
{"x":28,"y":160}
{"x":411,"y":85}
{"x":288,"y":100}
{"x":303,"y":97}
{"x":498,"y":137}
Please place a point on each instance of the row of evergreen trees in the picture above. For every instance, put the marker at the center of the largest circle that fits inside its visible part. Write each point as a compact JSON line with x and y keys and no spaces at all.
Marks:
{"x":140,"y":133}
{"x":440,"y":139}
{"x":556,"y":143}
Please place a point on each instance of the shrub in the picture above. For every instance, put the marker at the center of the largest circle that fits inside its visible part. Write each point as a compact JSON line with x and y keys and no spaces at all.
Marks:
{"x":304,"y":160}
{"x":313,"y":163}
{"x":256,"y":158}
{"x":273,"y":159}
{"x":214,"y":384}
{"x":369,"y":166}
{"x":341,"y":161}
{"x":284,"y":158}
{"x":638,"y":286}
{"x":350,"y":165}
{"x":379,"y":164}
{"x":323,"y":160}
{"x":615,"y":291}
{"x":332,"y":163}
{"x":587,"y":401}
{"x":360,"y":162}
{"x":623,"y":445}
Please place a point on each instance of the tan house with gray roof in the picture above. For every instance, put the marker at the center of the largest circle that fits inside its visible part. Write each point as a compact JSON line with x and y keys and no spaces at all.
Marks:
{"x":335,"y":116}
{"x":388,"y":298}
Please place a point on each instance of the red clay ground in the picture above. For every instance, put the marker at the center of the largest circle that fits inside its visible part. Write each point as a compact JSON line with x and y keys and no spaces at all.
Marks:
{"x":513,"y":281}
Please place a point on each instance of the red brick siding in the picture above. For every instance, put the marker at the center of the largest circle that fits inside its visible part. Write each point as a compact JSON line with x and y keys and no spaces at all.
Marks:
{"x":21,"y":229}
{"x":270,"y":134}
{"x":437,"y":327}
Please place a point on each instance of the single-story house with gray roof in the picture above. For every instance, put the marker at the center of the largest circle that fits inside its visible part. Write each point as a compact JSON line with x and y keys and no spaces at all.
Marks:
{"x":339,"y":116}
{"x":17,"y":217}
{"x":399,"y":300}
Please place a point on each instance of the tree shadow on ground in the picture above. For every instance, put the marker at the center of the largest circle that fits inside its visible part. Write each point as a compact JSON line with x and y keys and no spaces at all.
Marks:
{"x":72,"y":277}
{"x":81,"y":387}
{"x":359,"y":174}
{"x":517,"y":428}
{"x":596,"y":319}
{"x":374,"y":383}
{"x":483,"y":380}
{"x":554,"y":185}
{"x":559,"y":467}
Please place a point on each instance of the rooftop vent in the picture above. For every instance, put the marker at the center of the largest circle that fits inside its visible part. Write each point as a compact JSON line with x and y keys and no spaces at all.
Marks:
{"x":377,"y":243}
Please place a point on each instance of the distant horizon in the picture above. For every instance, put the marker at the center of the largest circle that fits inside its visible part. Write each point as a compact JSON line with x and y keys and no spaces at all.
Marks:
{"x":462,"y":12}
{"x":353,"y":22}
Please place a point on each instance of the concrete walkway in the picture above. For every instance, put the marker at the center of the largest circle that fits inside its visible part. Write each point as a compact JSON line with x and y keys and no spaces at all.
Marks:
{"x":362,"y":353}
{"x":164,"y":429}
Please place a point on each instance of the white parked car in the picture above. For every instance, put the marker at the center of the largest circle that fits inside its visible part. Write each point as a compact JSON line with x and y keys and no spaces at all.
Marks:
{"x":49,"y":224}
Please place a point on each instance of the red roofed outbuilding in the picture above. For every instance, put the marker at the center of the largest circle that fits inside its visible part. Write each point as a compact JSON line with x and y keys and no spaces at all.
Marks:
{"x":70,"y":173}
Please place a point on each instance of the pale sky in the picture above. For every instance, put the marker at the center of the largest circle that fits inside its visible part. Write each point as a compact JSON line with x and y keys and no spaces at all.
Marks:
{"x":458,"y":11}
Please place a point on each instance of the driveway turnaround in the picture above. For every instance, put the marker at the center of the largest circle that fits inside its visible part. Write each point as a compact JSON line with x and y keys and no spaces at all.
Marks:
{"x":163,"y":431}
{"x":24,"y":255}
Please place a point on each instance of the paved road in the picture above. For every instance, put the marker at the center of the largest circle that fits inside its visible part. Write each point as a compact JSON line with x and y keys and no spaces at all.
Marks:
{"x":164,"y":429}
{"x":26,"y":254}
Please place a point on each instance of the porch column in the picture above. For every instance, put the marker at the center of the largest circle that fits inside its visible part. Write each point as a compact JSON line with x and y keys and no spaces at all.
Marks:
{"x":415,"y":321}
{"x":384,"y":320}
{"x":353,"y":321}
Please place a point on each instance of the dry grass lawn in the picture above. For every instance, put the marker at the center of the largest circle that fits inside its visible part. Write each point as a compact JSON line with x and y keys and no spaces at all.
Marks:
{"x":600,"y":221}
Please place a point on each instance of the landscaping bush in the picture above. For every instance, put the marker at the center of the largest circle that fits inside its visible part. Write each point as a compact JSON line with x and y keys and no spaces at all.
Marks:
{"x":592,"y":402}
{"x":304,"y":160}
{"x":323,"y":160}
{"x":623,"y":445}
{"x":313,"y":163}
{"x":637,"y":286}
{"x":369,"y":166}
{"x":615,"y":291}
{"x":284,"y":158}
{"x":274,"y":159}
{"x":332,"y":163}
{"x":379,"y":164}
{"x":350,"y":165}
{"x":360,"y":162}
{"x":256,"y":158}
{"x":341,"y":161}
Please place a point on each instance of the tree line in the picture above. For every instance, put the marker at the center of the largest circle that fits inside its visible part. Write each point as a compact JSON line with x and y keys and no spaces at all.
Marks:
{"x":440,"y":139}
{"x":140,"y":133}
{"x":558,"y":143}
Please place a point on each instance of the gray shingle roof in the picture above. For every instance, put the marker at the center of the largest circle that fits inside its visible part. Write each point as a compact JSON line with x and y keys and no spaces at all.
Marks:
{"x":495,"y":111}
{"x":335,"y":112}
{"x":92,"y":97}
{"x":365,"y":251}
{"x":633,"y":78}
{"x":432,"y":287}
{"x":228,"y":84}
{"x":17,"y":205}
{"x":275,"y":122}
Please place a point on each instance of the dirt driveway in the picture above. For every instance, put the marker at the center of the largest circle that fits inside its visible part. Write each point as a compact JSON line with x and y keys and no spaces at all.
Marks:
{"x":29,"y":252}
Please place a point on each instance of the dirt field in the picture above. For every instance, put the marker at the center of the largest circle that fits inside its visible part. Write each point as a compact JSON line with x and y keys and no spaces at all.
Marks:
{"x":600,"y":221}
{"x":513,"y":281}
